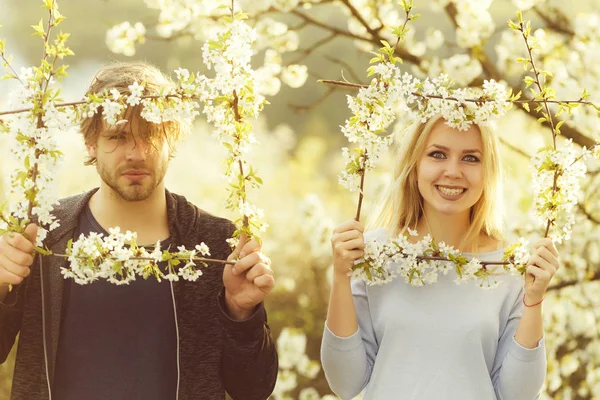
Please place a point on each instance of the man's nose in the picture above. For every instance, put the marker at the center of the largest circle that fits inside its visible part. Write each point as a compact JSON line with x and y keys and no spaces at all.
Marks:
{"x":137,"y":150}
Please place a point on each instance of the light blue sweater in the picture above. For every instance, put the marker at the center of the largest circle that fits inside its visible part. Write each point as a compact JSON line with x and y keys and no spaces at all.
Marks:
{"x":436,"y":342}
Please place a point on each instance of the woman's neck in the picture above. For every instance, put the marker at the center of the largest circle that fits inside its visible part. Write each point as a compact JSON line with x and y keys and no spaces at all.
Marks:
{"x":450,"y":229}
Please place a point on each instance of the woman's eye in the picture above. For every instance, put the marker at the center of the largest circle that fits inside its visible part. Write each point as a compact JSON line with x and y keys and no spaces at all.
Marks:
{"x":471,"y":159}
{"x":437,"y":154}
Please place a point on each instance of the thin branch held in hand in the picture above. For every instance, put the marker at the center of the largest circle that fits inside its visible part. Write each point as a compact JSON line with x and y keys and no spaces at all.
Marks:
{"x":548,"y":115}
{"x":201,"y":259}
{"x":362,"y":185}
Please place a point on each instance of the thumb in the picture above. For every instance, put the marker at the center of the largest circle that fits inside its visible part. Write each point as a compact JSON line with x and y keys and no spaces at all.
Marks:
{"x":241,"y":243}
{"x":31,"y":233}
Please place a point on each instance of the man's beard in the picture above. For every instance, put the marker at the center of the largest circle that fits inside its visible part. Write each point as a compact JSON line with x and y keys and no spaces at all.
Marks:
{"x":133,"y":191}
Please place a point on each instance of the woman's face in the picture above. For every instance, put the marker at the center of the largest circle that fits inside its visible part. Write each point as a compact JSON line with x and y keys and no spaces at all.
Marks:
{"x":450,"y":170}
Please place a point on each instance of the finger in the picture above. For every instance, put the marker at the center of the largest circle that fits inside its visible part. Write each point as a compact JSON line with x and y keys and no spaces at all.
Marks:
{"x":265,"y":282}
{"x":539,"y":262}
{"x":246,"y":263}
{"x":9,"y":277}
{"x":18,"y":241}
{"x":354,"y":254}
{"x":250,"y":247}
{"x":16,"y":255}
{"x":547,"y":255}
{"x":356,"y":244}
{"x":11,"y":272}
{"x":349,"y":225}
{"x":235,"y":254}
{"x":539,"y":273}
{"x":258,"y":270}
{"x":31,"y":232}
{"x":346,"y":236}
{"x":548,"y":244}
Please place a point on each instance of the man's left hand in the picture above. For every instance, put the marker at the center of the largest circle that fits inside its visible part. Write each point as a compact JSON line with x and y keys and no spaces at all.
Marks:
{"x":248,"y":281}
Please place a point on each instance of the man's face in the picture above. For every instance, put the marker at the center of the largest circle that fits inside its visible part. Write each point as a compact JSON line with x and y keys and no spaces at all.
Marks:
{"x":131,"y":167}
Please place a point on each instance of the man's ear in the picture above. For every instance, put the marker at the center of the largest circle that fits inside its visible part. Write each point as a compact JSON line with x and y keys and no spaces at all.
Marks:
{"x":92,"y":150}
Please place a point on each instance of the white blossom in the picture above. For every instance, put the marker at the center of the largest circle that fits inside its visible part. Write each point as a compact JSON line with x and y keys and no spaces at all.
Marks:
{"x":122,"y":38}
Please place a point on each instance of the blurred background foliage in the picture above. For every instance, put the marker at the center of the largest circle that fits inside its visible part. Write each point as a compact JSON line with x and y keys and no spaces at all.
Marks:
{"x":299,"y":158}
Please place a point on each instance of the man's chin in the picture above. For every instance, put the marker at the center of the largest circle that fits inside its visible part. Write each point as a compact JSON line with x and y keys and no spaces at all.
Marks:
{"x":135,"y":193}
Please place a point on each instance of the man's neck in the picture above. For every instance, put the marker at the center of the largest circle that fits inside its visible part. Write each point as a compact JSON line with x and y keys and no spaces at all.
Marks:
{"x":146,"y":217}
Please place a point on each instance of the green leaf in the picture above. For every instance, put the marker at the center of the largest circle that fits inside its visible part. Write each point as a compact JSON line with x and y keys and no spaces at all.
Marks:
{"x":39,"y":29}
{"x":519,"y":16}
{"x":386,"y":44}
{"x":42,"y":251}
{"x":513,"y":26}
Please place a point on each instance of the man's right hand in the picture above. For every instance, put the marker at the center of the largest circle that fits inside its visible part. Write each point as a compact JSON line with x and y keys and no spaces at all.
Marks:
{"x":16,"y":255}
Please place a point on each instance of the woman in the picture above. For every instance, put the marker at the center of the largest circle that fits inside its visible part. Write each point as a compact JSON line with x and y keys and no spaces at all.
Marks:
{"x":439,"y":341}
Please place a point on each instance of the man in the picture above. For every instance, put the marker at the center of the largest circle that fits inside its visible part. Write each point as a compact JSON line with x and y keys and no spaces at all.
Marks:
{"x":149,"y":339}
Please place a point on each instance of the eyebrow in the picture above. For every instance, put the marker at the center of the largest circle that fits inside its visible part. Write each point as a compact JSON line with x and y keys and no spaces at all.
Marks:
{"x":468,"y":151}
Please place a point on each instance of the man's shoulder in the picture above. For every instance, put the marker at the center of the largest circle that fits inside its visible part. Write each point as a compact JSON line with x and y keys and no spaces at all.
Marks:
{"x":192,"y":218}
{"x":71,"y":203}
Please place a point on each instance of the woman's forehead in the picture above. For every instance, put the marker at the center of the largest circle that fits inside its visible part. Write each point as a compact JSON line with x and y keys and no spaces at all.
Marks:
{"x":452,"y":138}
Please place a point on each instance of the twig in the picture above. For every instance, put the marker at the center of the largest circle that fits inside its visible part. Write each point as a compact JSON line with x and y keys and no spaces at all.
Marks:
{"x":565,"y":284}
{"x":447,"y":259}
{"x":477,"y":101}
{"x":554,"y":24}
{"x":308,"y":51}
{"x":344,"y":64}
{"x":514,"y":148}
{"x":488,"y":67}
{"x":76,"y":103}
{"x":202,"y":259}
{"x":362,"y":184}
{"x":588,"y":215}
{"x":325,"y":96}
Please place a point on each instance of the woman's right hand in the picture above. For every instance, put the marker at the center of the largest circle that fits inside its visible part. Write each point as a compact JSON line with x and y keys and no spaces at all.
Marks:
{"x":347,"y":244}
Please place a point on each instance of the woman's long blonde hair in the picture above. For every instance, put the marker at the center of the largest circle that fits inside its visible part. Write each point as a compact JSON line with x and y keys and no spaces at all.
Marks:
{"x":402,"y":204}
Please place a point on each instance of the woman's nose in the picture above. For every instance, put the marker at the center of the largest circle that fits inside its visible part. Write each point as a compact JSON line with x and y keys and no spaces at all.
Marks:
{"x":453,"y":170}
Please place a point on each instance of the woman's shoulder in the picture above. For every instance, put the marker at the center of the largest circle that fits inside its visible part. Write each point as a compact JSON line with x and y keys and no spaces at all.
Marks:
{"x":378,"y":234}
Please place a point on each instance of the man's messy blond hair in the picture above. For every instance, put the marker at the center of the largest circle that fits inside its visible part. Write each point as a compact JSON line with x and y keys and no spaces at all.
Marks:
{"x":120,"y":76}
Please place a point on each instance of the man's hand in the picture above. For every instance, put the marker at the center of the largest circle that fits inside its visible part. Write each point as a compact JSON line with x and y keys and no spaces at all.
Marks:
{"x":248,"y":281}
{"x":16,"y":256}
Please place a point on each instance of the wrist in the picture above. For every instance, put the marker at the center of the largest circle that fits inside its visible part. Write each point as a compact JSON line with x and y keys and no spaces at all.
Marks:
{"x":236,"y":312}
{"x":341,"y":276}
{"x":532,"y":300}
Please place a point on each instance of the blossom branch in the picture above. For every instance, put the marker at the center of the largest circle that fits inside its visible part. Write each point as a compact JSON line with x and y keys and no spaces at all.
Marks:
{"x":558,"y":24}
{"x":467,"y":100}
{"x":345,"y":65}
{"x":562,"y":285}
{"x":362,"y":185}
{"x":542,"y":92}
{"x":324,"y":96}
{"x":200,"y":259}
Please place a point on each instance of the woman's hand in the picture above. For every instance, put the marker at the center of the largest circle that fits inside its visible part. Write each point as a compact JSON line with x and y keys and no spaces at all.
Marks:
{"x":541,"y":267}
{"x":347,"y":244}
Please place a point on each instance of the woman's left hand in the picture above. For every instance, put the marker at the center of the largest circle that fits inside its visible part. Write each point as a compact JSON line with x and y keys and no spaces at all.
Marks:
{"x":541,"y":267}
